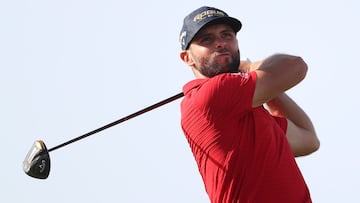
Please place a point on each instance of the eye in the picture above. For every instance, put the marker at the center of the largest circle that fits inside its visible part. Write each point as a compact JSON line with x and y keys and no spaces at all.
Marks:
{"x":206,"y":40}
{"x":228,"y":35}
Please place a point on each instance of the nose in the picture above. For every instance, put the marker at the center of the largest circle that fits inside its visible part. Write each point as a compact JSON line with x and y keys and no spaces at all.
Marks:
{"x":220,"y":42}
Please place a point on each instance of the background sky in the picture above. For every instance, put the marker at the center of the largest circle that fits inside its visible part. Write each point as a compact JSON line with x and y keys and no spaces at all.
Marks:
{"x":71,"y":66}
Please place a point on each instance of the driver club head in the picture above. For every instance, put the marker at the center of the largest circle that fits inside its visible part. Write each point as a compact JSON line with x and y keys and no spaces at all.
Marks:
{"x":37,"y":161}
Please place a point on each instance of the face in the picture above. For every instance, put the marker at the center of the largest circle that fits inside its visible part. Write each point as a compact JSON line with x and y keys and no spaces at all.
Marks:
{"x":214,"y":50}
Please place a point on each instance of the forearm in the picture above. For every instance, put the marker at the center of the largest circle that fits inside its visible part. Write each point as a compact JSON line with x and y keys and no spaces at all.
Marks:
{"x":300,"y":133}
{"x":283,"y":105}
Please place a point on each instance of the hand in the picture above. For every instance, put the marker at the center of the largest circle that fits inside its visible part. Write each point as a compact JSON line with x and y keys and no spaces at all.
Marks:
{"x":247,"y":66}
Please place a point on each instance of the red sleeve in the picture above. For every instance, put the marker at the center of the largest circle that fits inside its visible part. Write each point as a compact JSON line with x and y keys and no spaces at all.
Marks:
{"x":228,"y":93}
{"x":236,"y":92}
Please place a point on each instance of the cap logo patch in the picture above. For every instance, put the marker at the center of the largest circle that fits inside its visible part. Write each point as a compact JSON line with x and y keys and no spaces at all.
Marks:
{"x":208,"y":13}
{"x":182,"y":38}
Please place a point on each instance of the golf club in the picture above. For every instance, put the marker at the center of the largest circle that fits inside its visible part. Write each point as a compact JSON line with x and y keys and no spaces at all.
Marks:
{"x":37,"y":161}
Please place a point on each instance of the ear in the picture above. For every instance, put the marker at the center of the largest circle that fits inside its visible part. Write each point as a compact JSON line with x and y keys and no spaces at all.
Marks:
{"x":184,"y":55}
{"x":187,"y":58}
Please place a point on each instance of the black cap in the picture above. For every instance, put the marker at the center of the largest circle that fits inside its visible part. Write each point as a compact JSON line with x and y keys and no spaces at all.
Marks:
{"x":204,"y":16}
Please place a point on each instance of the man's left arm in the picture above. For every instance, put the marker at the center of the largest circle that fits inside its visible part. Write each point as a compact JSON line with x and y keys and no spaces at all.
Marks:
{"x":300,"y":132}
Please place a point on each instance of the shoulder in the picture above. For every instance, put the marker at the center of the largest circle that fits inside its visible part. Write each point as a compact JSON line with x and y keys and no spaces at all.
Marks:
{"x":236,"y":79}
{"x":229,"y":85}
{"x":229,"y":88}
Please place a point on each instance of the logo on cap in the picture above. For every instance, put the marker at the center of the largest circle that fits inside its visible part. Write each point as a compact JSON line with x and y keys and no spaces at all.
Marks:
{"x":208,"y":13}
{"x":182,"y":38}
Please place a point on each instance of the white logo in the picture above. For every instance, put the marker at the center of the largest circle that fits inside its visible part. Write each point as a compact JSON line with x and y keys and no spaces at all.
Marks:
{"x":244,"y":75}
{"x":42,"y":166}
{"x":182,"y":38}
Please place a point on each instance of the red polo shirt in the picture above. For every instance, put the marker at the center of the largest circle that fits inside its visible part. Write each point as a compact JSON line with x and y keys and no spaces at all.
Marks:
{"x":242,"y":152}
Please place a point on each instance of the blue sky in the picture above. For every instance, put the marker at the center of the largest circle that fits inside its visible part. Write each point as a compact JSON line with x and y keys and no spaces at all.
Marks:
{"x":68,"y":67}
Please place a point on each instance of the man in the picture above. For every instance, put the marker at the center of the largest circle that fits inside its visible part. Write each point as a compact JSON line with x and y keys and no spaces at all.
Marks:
{"x":244,"y":152}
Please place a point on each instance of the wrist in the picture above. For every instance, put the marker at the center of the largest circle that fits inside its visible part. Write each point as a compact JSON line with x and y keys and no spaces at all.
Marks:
{"x":245,"y":65}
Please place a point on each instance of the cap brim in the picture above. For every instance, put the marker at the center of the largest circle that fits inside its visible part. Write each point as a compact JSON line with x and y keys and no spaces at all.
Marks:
{"x":232,"y":22}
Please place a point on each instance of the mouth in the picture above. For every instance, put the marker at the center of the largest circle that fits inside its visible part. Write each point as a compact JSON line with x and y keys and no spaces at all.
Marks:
{"x":224,"y":53}
{"x":222,"y":57}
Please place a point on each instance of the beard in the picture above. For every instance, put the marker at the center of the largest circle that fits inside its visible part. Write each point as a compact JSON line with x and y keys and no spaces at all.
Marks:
{"x":209,"y":67}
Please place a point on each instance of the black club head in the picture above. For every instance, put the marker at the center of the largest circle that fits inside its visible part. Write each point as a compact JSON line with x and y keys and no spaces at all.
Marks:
{"x":37,"y":161}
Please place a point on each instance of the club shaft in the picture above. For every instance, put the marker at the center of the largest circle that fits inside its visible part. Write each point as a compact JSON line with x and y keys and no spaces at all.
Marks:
{"x":149,"y":108}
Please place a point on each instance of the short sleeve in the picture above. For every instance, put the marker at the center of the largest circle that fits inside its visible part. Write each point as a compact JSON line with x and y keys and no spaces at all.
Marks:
{"x":226,"y":94}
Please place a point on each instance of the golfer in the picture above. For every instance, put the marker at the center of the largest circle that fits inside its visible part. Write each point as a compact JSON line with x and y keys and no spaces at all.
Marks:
{"x":243,"y":130}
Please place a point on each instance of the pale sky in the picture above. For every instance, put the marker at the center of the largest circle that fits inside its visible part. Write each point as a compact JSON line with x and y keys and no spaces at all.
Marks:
{"x":71,"y":66}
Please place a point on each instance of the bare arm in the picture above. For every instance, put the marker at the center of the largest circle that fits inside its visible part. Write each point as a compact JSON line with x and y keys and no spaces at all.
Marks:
{"x":300,"y":133}
{"x":275,"y":75}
